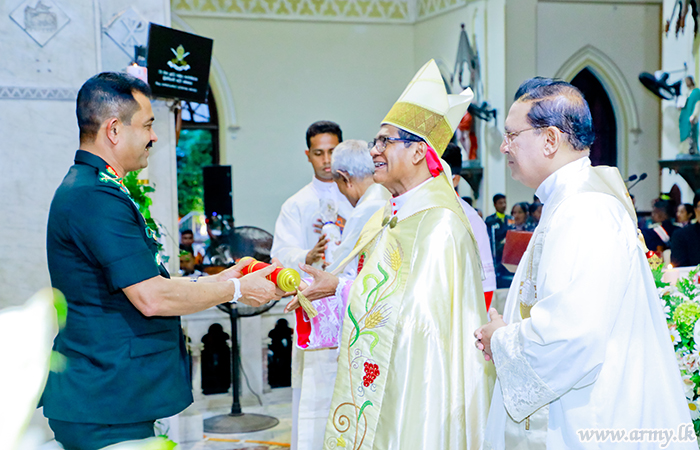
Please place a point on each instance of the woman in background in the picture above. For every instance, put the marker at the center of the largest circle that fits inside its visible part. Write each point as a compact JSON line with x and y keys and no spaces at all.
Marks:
{"x":535,"y":213}
{"x":684,"y":214}
{"x":520,"y":213}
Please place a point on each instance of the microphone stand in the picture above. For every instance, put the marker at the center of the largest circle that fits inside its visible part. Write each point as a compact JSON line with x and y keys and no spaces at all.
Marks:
{"x":642,"y":177}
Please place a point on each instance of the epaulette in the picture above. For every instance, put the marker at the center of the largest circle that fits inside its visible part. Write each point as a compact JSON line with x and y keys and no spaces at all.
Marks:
{"x":110,"y":177}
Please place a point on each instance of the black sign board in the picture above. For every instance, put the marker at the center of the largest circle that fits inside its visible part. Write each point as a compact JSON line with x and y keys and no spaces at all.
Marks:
{"x":178,"y":64}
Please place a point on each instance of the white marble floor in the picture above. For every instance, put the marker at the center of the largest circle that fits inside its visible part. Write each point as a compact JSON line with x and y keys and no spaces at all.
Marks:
{"x":277,"y":403}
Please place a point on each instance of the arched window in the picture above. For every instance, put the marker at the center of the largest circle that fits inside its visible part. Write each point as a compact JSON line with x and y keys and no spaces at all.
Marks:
{"x":197,"y":146}
{"x":604,"y":148}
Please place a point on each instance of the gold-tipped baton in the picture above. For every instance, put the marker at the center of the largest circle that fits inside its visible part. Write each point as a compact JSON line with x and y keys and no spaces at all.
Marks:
{"x":286,"y":279}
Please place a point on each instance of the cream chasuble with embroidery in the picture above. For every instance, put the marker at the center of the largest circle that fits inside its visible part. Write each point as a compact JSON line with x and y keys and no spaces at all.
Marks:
{"x":408,"y":374}
{"x":320,"y":366}
{"x":587,"y":345}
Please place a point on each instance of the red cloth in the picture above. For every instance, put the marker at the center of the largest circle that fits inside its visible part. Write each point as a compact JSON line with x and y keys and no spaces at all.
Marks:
{"x":473,"y":145}
{"x":466,"y":122}
{"x":434,"y":164}
{"x":303,"y":328}
{"x":488,"y":297}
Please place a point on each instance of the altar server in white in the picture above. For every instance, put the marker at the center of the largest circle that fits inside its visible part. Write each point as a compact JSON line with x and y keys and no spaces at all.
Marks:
{"x":297,"y":240}
{"x":582,"y":347}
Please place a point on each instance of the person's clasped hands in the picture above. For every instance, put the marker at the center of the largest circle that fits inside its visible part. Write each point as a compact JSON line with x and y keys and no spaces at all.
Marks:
{"x":484,"y":333}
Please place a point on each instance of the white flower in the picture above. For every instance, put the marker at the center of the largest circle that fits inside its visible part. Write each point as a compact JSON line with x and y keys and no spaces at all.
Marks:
{"x":694,"y":411}
{"x":667,"y":310}
{"x":680,"y":297}
{"x":696,"y":334}
{"x":664,"y":290}
{"x":675,"y":335}
{"x":690,"y":362}
{"x":688,"y":387}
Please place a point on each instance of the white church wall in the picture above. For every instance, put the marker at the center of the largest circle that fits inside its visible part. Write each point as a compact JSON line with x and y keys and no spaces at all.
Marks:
{"x":563,"y":29}
{"x":540,"y":38}
{"x":438,"y":38}
{"x":39,"y":138}
{"x":521,"y":57}
{"x":40,"y":134}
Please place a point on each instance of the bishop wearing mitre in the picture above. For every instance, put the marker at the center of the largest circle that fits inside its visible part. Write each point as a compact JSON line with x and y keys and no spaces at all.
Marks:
{"x":408,"y":376}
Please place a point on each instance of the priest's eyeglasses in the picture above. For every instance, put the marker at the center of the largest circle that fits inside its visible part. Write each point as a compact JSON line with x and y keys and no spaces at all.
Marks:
{"x":509,"y":136}
{"x":381,"y":142}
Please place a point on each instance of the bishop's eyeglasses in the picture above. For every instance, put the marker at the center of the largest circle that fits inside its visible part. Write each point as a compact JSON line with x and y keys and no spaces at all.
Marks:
{"x":382,"y":141}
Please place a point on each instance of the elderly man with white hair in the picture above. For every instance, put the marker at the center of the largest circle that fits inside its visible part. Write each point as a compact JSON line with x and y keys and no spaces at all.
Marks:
{"x":353,"y":170}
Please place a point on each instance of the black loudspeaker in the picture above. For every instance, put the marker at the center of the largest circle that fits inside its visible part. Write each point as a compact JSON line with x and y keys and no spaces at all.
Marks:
{"x":218,"y":200}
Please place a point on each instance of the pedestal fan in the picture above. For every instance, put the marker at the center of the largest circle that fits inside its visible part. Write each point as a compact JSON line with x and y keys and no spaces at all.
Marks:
{"x":240,"y":242}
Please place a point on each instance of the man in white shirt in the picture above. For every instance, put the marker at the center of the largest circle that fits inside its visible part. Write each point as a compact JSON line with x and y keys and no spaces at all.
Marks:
{"x":297,"y":241}
{"x":453,"y":158}
{"x":582,"y":348}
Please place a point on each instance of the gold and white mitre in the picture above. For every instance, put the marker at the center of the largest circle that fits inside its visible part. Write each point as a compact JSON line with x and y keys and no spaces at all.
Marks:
{"x":426,"y":110}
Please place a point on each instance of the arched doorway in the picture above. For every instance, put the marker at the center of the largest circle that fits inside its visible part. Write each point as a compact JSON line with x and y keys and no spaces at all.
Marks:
{"x":604,"y":148}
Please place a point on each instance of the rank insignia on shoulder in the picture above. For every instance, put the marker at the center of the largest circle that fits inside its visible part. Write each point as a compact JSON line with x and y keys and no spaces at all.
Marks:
{"x":106,"y":178}
{"x":110,"y":177}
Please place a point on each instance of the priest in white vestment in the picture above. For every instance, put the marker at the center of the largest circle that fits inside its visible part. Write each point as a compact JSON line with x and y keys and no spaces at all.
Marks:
{"x":352,"y":169}
{"x":408,"y":377}
{"x":297,"y":240}
{"x":582,"y":352}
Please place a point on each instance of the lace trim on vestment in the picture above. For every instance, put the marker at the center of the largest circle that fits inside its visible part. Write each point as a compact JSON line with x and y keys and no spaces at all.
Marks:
{"x":523,"y":390}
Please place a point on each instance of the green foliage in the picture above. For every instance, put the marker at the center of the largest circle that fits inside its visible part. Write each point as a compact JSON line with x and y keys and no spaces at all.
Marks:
{"x":686,"y":286}
{"x":681,"y":303}
{"x":154,"y":443}
{"x":685,"y":315}
{"x":194,"y":150}
{"x":356,"y":325}
{"x":658,"y":273}
{"x":139,"y":192}
{"x":375,"y":341}
{"x":61,"y":306}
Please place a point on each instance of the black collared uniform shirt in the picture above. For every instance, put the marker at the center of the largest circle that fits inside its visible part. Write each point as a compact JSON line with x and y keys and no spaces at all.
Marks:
{"x":121,"y":366}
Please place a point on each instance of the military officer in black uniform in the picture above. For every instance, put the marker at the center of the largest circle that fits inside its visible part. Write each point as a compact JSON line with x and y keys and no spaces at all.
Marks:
{"x":125,"y":358}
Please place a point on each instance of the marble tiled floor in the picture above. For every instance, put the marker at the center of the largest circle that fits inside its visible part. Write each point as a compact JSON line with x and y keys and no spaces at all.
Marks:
{"x":277,"y":403}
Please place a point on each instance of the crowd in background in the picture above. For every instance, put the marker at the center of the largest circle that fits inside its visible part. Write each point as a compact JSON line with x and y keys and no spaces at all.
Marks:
{"x":523,"y":216}
{"x":671,"y":226}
